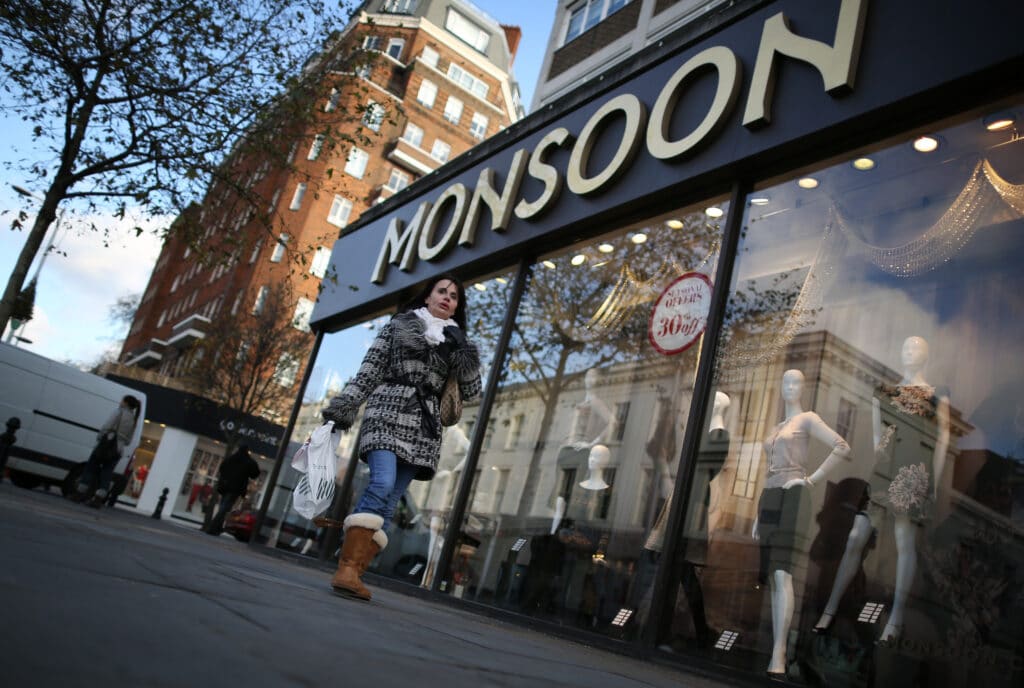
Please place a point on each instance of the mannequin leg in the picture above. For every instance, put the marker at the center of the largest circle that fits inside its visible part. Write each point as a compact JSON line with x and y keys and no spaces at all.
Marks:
{"x":858,"y":538}
{"x":782,"y":618}
{"x":906,"y":566}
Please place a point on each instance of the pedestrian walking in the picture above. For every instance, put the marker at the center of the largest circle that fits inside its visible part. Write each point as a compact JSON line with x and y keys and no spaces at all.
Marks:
{"x":113,"y":436}
{"x":401,"y":380}
{"x":232,"y":483}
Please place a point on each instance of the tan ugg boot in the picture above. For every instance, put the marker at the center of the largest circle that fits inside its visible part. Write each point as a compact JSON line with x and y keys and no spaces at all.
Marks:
{"x":363,"y":540}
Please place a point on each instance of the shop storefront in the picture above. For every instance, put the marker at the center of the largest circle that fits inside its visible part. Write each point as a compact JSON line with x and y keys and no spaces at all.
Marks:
{"x":750,"y":313}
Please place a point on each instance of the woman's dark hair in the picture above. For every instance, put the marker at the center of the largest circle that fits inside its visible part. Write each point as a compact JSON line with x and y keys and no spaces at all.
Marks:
{"x":132,"y":403}
{"x":421,"y":297}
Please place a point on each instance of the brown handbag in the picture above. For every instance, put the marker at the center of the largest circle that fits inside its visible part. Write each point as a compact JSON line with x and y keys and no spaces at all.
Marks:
{"x":450,"y":406}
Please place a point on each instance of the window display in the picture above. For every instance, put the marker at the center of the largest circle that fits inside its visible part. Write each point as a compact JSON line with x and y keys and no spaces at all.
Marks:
{"x":855,"y":528}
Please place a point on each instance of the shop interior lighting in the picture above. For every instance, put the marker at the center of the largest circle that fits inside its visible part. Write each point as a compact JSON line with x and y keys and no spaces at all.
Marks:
{"x":415,"y":569}
{"x":518,"y":544}
{"x":578,"y":259}
{"x":863,"y":164}
{"x":622,"y":617}
{"x":807,"y":183}
{"x":999,"y":121}
{"x":163,"y":425}
{"x":605,"y":248}
{"x":480,"y":287}
{"x":597,"y":265}
{"x":639,"y":238}
{"x":714,"y":212}
{"x":870,"y":613}
{"x":759,"y":200}
{"x":675,"y":224}
{"x":548,"y":264}
{"x":925,"y":144}
{"x":726,"y":640}
{"x":501,"y":280}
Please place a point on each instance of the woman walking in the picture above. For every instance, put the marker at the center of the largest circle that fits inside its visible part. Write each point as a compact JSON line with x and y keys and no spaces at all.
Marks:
{"x":112,"y":438}
{"x":401,"y":379}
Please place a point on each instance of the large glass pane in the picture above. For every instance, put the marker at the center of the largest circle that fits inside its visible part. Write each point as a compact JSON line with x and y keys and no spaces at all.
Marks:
{"x":859,"y":496}
{"x":580,"y":450}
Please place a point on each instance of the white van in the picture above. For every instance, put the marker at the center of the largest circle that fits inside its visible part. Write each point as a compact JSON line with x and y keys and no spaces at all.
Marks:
{"x":61,"y":410}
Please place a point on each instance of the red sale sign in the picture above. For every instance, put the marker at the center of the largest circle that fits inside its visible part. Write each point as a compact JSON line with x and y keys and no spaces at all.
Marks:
{"x":680,"y":313}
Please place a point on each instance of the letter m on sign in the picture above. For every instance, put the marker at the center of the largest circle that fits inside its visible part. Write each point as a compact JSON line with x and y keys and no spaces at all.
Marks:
{"x":399,"y":248}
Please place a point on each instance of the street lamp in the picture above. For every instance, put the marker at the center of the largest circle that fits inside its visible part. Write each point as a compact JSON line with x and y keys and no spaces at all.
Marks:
{"x":18,"y":329}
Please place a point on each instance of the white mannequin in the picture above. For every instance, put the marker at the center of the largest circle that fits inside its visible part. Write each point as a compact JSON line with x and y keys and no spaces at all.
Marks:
{"x":596,"y":462}
{"x":718,"y":410}
{"x":913,"y":356}
{"x":439,"y":498}
{"x":782,"y":594}
{"x":592,"y":415}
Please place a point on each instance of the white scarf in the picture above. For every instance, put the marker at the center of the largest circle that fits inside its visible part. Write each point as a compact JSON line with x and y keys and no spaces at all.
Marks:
{"x":434,"y":332}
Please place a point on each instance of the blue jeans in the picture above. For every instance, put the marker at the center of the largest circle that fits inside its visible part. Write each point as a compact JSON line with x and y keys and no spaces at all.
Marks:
{"x":389,"y":479}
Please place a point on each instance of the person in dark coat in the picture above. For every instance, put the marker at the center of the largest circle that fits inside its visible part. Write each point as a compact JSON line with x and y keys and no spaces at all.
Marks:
{"x":232,"y":483}
{"x":401,"y":380}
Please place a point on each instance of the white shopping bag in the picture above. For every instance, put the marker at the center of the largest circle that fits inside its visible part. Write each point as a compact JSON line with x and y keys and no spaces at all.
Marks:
{"x":315,"y":489}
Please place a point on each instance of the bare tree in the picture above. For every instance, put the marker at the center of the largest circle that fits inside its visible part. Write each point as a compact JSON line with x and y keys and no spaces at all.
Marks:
{"x":251,"y":365}
{"x":152,"y":103}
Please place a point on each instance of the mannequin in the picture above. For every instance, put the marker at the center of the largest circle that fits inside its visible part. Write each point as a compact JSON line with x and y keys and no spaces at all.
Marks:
{"x":784,"y":508}
{"x":455,"y":444}
{"x":592,"y":419}
{"x":596,"y":462}
{"x":917,"y":413}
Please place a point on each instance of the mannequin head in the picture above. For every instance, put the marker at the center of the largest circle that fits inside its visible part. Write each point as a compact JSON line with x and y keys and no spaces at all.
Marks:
{"x":721,"y":403}
{"x":792,"y":385}
{"x":590,"y":379}
{"x":599,"y":457}
{"x":914,"y":353}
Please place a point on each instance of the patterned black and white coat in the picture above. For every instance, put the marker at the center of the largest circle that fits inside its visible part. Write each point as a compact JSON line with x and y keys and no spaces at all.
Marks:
{"x":401,"y":379}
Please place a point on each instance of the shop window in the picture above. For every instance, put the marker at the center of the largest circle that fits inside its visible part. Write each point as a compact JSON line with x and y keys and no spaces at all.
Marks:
{"x":866,"y":346}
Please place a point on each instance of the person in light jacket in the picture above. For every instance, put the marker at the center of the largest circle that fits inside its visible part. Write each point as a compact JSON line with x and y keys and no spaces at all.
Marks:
{"x":401,"y":379}
{"x":113,"y":436}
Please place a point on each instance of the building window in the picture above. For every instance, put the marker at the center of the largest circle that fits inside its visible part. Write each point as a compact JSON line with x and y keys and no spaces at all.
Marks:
{"x":300,"y":191}
{"x":292,"y":151}
{"x":467,"y":31}
{"x":314,"y":150}
{"x":321,"y":259}
{"x":429,"y":57}
{"x":373,"y":116}
{"x":427,"y":93}
{"x":515,"y":431}
{"x":478,"y":126}
{"x":589,"y":14}
{"x":238,"y":301}
{"x":287,"y":369}
{"x":261,"y":300}
{"x":279,"y":246}
{"x":605,"y":502}
{"x":395,"y":48}
{"x":453,"y":110}
{"x":303,"y":309}
{"x":477,"y":87}
{"x":412,"y":134}
{"x":397,"y":181}
{"x":846,"y":420}
{"x":372,"y":43}
{"x":333,"y":100}
{"x":274,"y":199}
{"x":175,"y":283}
{"x":440,"y":151}
{"x":621,"y":414}
{"x":163,"y":317}
{"x":356,"y":163}
{"x":341,"y":208}
{"x":255,"y":251}
{"x":400,"y":6}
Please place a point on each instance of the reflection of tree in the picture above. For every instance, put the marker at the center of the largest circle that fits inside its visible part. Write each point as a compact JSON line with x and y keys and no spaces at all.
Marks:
{"x":592,"y":315}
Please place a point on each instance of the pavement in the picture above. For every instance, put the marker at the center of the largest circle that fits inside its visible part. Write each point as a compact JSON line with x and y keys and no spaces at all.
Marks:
{"x":115,"y":598}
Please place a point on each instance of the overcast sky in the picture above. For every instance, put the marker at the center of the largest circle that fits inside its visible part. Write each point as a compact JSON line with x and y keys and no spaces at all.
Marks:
{"x":78,"y":286}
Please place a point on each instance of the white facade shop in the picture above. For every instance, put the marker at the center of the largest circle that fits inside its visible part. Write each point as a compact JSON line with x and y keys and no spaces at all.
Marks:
{"x":750,"y":309}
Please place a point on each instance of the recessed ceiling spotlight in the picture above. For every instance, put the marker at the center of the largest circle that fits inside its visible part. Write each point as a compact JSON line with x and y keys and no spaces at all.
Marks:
{"x":925,"y":144}
{"x":863,"y":164}
{"x":480,"y":287}
{"x":674,"y":224}
{"x":714,"y":212}
{"x":639,"y":238}
{"x":501,"y":280}
{"x":548,"y":264}
{"x":759,"y":200}
{"x":807,"y":183}
{"x":605,"y":248}
{"x":578,"y":259}
{"x":999,"y":121}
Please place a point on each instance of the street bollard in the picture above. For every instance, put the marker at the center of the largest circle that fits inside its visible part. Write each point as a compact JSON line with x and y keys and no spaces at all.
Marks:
{"x":157,"y":513}
{"x":6,"y":440}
